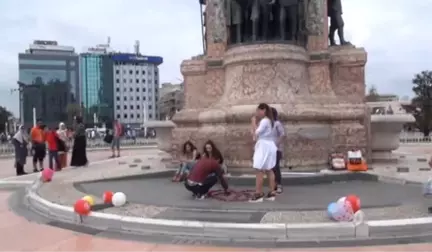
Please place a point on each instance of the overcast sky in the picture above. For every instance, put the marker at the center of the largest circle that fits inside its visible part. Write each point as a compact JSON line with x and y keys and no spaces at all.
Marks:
{"x":396,"y":34}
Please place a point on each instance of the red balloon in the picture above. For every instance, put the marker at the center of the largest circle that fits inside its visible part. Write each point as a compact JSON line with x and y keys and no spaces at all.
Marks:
{"x":354,"y":201}
{"x":82,"y":207}
{"x":107,"y":197}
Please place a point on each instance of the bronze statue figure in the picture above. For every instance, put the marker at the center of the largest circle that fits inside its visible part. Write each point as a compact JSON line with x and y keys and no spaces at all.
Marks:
{"x":334,"y":11}
{"x":234,"y":17}
{"x":288,"y":19}
{"x":261,"y":17}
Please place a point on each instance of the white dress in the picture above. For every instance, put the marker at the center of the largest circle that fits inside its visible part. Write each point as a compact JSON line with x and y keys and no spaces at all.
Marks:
{"x":264,"y":157}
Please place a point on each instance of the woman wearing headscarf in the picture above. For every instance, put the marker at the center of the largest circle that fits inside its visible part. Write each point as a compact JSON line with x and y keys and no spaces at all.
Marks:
{"x":20,"y":141}
{"x":63,"y":136}
{"x":79,"y":155}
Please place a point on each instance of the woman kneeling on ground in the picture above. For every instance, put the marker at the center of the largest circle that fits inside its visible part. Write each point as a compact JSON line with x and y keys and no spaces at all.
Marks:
{"x":188,"y":160}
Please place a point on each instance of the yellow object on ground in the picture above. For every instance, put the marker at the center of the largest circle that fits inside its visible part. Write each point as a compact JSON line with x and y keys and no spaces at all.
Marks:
{"x":89,"y":199}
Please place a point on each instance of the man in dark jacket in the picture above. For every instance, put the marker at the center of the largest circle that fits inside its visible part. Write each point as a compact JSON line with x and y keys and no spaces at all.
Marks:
{"x":203,"y":176}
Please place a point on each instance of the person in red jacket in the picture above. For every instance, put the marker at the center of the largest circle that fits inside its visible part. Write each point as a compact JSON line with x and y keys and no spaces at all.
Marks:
{"x":203,"y":176}
{"x":52,"y":140}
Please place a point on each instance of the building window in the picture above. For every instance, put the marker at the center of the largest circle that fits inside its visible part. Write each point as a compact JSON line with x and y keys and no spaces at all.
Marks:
{"x":118,"y":98}
{"x":117,"y":80}
{"x":137,"y":98}
{"x":137,"y":89}
{"x":156,"y":72}
{"x":143,"y":81}
{"x":130,"y":81}
{"x":156,"y":82}
{"x":131,"y":107}
{"x":144,"y":98}
{"x":125,"y":116}
{"x":137,"y":72}
{"x":130,"y":72}
{"x":131,"y":89}
{"x":124,"y":71}
{"x":118,"y":107}
{"x":137,"y":81}
{"x":124,"y":89}
{"x":125,"y":98}
{"x":138,"y":115}
{"x":143,"y":72}
{"x":150,"y":116}
{"x":124,"y":106}
{"x":117,"y":89}
{"x":144,"y":89}
{"x":118,"y":116}
{"x":124,"y":80}
{"x":138,"y":106}
{"x":131,"y":116}
{"x":150,"y":106}
{"x":131,"y":98}
{"x":117,"y":71}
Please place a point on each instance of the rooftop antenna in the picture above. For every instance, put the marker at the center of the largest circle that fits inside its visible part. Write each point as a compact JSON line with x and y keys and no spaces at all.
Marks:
{"x":109,"y":41}
{"x":137,"y":47}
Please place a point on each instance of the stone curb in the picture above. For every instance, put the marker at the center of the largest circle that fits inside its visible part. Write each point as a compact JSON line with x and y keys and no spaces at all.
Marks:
{"x":279,"y":232}
{"x":309,"y":231}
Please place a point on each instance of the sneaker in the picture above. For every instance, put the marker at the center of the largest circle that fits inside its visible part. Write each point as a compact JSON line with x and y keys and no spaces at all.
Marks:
{"x":271,"y":196}
{"x":257,"y":198}
{"x":200,"y":197}
{"x":279,"y":189}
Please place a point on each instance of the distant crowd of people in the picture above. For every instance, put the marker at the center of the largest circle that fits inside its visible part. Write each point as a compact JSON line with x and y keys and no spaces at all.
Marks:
{"x":57,"y":142}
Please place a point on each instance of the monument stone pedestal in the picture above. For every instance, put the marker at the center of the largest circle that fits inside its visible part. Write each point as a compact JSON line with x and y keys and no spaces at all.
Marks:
{"x":318,"y":92}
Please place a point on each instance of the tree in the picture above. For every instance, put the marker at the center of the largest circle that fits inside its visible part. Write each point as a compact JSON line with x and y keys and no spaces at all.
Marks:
{"x":4,"y":118}
{"x":422,"y":102}
{"x":372,"y":95}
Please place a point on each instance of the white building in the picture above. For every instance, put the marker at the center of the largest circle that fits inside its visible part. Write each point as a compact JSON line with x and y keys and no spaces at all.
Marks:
{"x":136,"y":87}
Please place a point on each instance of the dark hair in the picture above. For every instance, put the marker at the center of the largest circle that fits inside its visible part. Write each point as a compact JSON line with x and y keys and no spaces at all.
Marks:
{"x":275,"y":114}
{"x":267,"y":111}
{"x":216,"y":154}
{"x":78,"y":119}
{"x":190,"y":144}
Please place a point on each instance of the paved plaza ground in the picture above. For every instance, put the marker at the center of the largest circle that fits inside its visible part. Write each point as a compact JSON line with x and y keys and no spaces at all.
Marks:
{"x":7,"y":164}
{"x":40,"y":234}
{"x":19,"y":234}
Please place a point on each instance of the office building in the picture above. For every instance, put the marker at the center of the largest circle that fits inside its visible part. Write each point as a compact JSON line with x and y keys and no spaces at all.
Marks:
{"x":48,"y":81}
{"x":171,"y":100}
{"x":97,"y":86}
{"x":136,"y":87}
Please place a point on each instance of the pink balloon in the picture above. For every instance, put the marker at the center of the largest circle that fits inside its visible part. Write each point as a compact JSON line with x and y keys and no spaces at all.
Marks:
{"x":47,"y":174}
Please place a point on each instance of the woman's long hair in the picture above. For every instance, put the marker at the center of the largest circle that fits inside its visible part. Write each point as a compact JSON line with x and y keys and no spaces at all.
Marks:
{"x":185,"y":147}
{"x":268,"y":112}
{"x":216,"y":154}
{"x":275,"y":114}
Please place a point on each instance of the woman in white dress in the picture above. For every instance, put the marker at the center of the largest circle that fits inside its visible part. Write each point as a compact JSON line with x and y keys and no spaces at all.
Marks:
{"x":264,"y":158}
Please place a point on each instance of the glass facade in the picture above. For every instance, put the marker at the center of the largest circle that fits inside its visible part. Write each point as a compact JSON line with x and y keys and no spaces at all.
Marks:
{"x":96,"y":87}
{"x":48,"y":85}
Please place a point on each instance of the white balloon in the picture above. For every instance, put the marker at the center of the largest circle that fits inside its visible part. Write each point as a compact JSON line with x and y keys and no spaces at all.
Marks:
{"x":119,"y":199}
{"x":341,"y":200}
{"x":359,"y":217}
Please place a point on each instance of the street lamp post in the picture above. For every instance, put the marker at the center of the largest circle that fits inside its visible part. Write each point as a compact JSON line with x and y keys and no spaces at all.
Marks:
{"x":20,"y":89}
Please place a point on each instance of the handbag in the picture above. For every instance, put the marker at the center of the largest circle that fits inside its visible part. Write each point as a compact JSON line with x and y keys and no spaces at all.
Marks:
{"x":61,"y":146}
{"x":108,"y":138}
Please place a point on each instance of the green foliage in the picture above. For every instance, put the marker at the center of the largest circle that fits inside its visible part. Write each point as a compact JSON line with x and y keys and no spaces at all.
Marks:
{"x":4,"y":117}
{"x":372,"y":95}
{"x":422,"y":102}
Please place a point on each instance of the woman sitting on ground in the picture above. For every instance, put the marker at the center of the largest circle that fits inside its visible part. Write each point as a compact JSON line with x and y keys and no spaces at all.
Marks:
{"x":211,"y":151}
{"x":188,"y":160}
